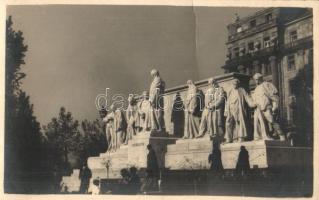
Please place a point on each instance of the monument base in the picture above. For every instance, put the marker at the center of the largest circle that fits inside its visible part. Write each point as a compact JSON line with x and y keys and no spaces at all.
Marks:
{"x":192,"y":154}
{"x":189,"y":154}
{"x":266,"y":154}
{"x":109,"y":164}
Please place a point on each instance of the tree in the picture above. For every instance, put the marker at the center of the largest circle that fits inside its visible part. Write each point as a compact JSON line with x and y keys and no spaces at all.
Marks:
{"x":302,"y":105}
{"x":25,"y":164}
{"x":63,"y":139}
{"x":93,"y":140}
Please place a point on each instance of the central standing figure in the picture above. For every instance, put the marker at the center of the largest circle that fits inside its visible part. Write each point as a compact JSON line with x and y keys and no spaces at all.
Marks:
{"x":192,"y":111}
{"x":236,"y":113}
{"x":212,"y":120}
{"x":157,"y":101}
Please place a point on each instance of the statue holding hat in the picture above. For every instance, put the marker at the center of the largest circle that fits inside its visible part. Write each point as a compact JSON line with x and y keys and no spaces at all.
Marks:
{"x":212,"y":121}
{"x":266,"y":99}
{"x":236,"y":113}
{"x":144,"y":112}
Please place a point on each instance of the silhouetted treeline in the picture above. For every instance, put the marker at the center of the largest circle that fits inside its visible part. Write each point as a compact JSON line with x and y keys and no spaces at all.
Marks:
{"x":36,"y":161}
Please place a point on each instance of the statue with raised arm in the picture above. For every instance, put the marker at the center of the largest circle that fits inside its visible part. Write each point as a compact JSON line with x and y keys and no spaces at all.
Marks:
{"x":192,"y":111}
{"x":266,"y":99}
{"x":157,"y":101}
{"x":236,"y":113}
{"x":212,"y":121}
{"x":132,"y":119}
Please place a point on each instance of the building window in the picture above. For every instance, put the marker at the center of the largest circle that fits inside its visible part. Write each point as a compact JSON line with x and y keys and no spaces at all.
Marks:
{"x":268,"y":17}
{"x":251,"y":47}
{"x":242,"y":50}
{"x":293,"y":36}
{"x":257,"y":45}
{"x":236,"y":52}
{"x":267,"y":42}
{"x":253,"y":23}
{"x":291,"y":62}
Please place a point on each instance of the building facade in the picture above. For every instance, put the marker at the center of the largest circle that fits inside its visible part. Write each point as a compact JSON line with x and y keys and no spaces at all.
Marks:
{"x":277,"y":42}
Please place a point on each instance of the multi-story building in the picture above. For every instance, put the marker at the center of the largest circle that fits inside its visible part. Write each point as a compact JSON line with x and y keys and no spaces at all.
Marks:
{"x":277,"y":42}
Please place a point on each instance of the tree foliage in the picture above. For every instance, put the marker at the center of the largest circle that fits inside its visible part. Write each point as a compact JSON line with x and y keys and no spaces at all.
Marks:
{"x":93,"y":141}
{"x":63,"y":138}
{"x":24,"y":155}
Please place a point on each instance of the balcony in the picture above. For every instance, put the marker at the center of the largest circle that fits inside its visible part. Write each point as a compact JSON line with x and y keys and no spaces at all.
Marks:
{"x":252,"y":30}
{"x":250,"y":56}
{"x":297,"y":44}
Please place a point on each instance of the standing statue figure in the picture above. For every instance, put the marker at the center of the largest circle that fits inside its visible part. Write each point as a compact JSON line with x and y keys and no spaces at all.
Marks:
{"x":212,"y":120}
{"x":120,"y":126}
{"x":236,"y":113}
{"x":157,"y":101}
{"x":109,"y":129}
{"x":103,"y":125}
{"x":132,"y":119}
{"x":144,"y":111}
{"x":192,"y":111}
{"x":266,"y":99}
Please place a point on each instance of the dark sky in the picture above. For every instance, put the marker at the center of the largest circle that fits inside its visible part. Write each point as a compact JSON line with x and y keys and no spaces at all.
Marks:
{"x":75,"y":52}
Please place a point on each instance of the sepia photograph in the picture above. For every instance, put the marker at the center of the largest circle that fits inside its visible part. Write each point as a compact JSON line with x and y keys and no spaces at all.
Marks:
{"x":159,"y":100}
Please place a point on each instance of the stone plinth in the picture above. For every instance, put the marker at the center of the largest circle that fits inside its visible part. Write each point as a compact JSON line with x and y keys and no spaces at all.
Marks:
{"x":189,"y":154}
{"x":137,"y":154}
{"x":115,"y":160}
{"x":192,"y":154}
{"x":132,"y":154}
{"x":266,"y":154}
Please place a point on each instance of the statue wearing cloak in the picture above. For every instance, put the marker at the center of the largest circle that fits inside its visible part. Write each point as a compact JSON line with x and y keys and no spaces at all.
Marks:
{"x":266,"y":98}
{"x":157,"y":102}
{"x":132,"y":120}
{"x":110,"y":131}
{"x":236,"y":113}
{"x":120,"y":126}
{"x":192,"y":111}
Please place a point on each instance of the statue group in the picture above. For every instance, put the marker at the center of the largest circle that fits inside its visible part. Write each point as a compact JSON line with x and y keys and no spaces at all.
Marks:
{"x":225,"y":116}
{"x":222,"y":116}
{"x":146,"y":114}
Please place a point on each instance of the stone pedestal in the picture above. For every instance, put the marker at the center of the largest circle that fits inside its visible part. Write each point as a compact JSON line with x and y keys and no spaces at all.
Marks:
{"x":114,"y":160}
{"x":132,"y":154}
{"x":192,"y":154}
{"x":137,"y":154}
{"x":266,"y":154}
{"x":189,"y":154}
